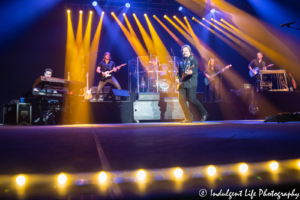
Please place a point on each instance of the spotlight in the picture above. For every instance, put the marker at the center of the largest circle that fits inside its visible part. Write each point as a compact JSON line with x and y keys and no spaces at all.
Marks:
{"x":112,"y":13}
{"x":178,"y":172}
{"x":80,"y":12}
{"x":213,"y":11}
{"x":102,"y":13}
{"x":91,"y":12}
{"x":174,"y":16}
{"x":127,"y":5}
{"x":299,"y":164}
{"x":212,"y":19}
{"x":243,"y":168}
{"x":21,"y":180}
{"x":102,"y":177}
{"x":184,"y":17}
{"x":154,"y":16}
{"x":203,"y":18}
{"x":133,"y":14}
{"x":211,"y":170}
{"x":123,"y":14}
{"x":68,"y":11}
{"x":94,"y":3}
{"x":141,"y":175}
{"x":165,"y":16}
{"x":62,"y":179}
{"x":274,"y":165}
{"x":221,"y":20}
{"x":180,"y":8}
{"x":145,"y":14}
{"x":193,"y":17}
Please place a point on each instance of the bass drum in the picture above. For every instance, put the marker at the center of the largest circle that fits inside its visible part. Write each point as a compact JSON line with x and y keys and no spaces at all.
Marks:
{"x":165,"y":85}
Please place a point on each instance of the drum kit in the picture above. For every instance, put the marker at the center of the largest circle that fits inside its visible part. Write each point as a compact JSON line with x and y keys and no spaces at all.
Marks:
{"x":159,"y":77}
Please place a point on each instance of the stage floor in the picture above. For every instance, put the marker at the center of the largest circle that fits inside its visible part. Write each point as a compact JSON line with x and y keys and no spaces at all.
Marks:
{"x":91,"y":148}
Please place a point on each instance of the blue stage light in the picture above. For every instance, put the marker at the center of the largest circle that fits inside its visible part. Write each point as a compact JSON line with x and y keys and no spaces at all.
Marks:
{"x":127,"y":5}
{"x":94,"y":3}
{"x":213,"y":11}
{"x":180,"y":8}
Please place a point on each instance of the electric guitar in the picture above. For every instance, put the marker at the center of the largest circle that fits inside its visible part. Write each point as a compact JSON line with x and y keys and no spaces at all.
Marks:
{"x":253,"y":72}
{"x":207,"y":80}
{"x":107,"y":74}
{"x":182,"y":77}
{"x":87,"y":91}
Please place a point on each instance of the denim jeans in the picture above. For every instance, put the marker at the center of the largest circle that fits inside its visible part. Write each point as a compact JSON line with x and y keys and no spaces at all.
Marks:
{"x":112,"y":80}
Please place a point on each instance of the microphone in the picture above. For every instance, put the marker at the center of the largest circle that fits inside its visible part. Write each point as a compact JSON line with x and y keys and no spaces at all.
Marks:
{"x":287,"y":24}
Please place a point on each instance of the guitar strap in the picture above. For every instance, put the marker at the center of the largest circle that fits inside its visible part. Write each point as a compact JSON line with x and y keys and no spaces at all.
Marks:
{"x":187,"y":65}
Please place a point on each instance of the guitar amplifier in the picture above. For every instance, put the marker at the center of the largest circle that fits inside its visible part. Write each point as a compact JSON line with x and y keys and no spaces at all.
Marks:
{"x":173,"y":109}
{"x":146,"y":110}
{"x":17,"y":113}
{"x":148,"y":96}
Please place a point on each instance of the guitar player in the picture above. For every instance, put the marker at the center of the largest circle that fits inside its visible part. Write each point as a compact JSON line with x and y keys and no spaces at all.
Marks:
{"x":213,"y":87}
{"x":188,"y":85}
{"x":258,"y":62}
{"x":103,"y":67}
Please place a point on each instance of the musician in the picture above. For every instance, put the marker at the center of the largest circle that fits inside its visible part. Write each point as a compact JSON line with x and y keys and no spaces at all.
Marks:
{"x":258,"y":62}
{"x":189,"y":84}
{"x":213,"y":87}
{"x":103,"y":67}
{"x":44,"y":103}
{"x":48,"y":73}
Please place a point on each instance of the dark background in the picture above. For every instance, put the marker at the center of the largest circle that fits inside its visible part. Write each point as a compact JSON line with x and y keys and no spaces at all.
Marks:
{"x":33,"y":37}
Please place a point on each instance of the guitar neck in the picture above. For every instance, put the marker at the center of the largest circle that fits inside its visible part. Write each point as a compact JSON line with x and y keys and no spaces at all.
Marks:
{"x":216,"y":74}
{"x":220,"y":71}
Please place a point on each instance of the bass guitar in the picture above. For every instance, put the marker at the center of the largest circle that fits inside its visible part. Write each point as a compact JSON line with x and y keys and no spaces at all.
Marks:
{"x":208,"y":80}
{"x":253,"y":72}
{"x":107,"y":74}
{"x":182,"y":77}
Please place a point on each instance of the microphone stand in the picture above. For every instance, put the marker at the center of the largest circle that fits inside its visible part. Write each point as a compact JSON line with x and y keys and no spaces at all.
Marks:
{"x":289,"y":25}
{"x":84,"y":56}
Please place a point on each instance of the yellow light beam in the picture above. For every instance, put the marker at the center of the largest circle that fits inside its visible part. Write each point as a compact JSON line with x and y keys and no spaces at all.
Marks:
{"x":134,"y":42}
{"x":70,"y":45}
{"x":170,"y":32}
{"x":179,"y":42}
{"x":202,"y":52}
{"x":160,"y":48}
{"x":129,"y":27}
{"x":86,"y":45}
{"x":272,"y":53}
{"x":236,"y":45}
{"x":183,"y":25}
{"x":75,"y":71}
{"x":187,"y":36}
{"x":234,"y":79}
{"x":94,"y":48}
{"x":148,"y":41}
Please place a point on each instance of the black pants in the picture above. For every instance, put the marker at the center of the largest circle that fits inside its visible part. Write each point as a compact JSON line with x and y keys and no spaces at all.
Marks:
{"x":213,"y":91}
{"x":111,"y":80}
{"x":191,"y":92}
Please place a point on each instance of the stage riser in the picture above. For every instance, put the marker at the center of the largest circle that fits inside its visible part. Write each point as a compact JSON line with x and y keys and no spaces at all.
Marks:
{"x":270,"y":103}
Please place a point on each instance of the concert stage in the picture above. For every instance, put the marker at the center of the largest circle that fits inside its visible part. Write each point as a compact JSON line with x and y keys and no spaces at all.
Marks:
{"x":233,"y":107}
{"x":40,"y":153}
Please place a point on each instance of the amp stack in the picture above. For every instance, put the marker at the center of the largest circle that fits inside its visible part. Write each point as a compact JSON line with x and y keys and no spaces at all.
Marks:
{"x":148,"y":107}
